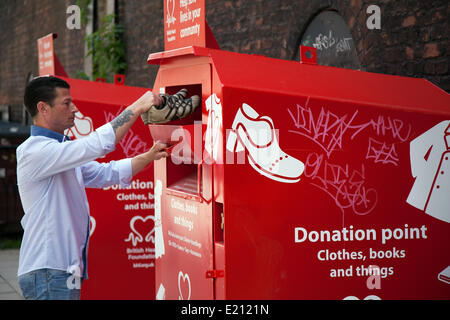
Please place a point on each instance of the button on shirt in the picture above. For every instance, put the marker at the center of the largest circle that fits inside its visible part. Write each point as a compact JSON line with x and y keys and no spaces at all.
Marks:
{"x":52,"y":173}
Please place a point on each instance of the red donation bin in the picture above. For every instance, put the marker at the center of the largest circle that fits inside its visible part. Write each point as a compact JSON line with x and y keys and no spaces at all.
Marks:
{"x":121,"y":243}
{"x":301,"y":181}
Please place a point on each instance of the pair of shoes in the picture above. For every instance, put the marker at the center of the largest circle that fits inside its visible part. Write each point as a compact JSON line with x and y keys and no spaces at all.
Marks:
{"x":173,"y":107}
{"x":258,"y":135}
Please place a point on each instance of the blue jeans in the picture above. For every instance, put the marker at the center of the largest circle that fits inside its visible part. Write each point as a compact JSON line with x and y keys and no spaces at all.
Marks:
{"x":50,"y":284}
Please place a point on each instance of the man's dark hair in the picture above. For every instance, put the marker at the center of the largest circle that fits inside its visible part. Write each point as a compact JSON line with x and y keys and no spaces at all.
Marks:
{"x":42,"y":89}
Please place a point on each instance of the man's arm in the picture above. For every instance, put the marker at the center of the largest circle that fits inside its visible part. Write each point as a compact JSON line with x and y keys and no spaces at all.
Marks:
{"x":42,"y":157}
{"x":100,"y":175}
{"x":122,"y":123}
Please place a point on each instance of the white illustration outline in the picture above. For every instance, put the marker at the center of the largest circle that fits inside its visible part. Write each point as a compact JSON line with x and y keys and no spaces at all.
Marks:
{"x":159,"y":238}
{"x":214,"y":126}
{"x":170,"y":17}
{"x":185,"y":277}
{"x":92,"y":225}
{"x":430,"y":165}
{"x":161,"y":294}
{"x":259,"y":137}
{"x":444,"y":275}
{"x":369,"y":297}
{"x":135,"y":237}
{"x":83,"y":126}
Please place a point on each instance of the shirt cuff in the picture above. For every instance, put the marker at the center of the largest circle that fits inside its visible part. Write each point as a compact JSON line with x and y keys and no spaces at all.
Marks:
{"x":125,"y":172}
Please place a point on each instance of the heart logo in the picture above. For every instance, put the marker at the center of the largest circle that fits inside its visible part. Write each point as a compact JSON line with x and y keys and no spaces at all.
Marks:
{"x":142,"y":226}
{"x":92,"y":225}
{"x":170,"y":16}
{"x":184,"y":286}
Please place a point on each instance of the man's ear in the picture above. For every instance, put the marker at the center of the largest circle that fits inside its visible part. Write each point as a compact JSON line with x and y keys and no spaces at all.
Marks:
{"x":42,"y":107}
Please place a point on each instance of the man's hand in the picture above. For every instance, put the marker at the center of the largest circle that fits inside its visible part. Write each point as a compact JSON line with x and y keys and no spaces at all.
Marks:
{"x":173,"y":107}
{"x":155,"y":153}
{"x":146,"y":101}
{"x":158,"y":151}
{"x":123,"y":122}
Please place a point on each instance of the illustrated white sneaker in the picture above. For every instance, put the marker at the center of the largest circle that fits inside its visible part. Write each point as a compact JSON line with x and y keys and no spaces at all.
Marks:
{"x":257,"y":134}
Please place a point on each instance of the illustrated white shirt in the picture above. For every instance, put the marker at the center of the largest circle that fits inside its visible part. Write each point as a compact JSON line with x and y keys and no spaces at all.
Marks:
{"x":430,"y":165}
{"x":52,"y":174}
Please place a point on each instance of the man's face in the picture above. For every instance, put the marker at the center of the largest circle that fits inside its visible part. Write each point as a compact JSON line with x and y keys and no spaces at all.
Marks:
{"x":62,"y":115}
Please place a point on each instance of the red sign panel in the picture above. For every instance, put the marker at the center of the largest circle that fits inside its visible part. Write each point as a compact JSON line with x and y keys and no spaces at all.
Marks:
{"x":357,"y":203}
{"x":45,"y":55}
{"x":184,"y":23}
{"x":184,"y":248}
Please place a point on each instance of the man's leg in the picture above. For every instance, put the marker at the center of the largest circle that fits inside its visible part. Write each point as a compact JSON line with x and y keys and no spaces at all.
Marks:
{"x":63,"y":285}
{"x":50,"y":284}
{"x":34,"y":285}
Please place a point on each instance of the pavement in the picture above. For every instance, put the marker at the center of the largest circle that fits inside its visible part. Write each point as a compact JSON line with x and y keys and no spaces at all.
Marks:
{"x":9,"y":262}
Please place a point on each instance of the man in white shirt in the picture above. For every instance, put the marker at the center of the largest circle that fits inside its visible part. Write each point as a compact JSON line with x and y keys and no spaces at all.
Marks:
{"x":52,"y":173}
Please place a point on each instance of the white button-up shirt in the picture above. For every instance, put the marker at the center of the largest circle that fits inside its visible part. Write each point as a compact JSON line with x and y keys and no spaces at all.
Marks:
{"x":52,"y":174}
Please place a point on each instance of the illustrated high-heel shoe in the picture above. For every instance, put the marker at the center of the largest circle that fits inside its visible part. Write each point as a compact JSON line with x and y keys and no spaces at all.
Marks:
{"x":257,"y":135}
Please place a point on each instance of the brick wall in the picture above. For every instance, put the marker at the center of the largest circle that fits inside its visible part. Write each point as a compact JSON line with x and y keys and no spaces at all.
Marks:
{"x":413,"y":40}
{"x":144,"y":35}
{"x":21,"y":24}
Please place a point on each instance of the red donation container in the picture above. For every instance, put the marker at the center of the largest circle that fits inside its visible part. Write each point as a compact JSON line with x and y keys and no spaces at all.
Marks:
{"x":300,"y":181}
{"x":121,"y":244}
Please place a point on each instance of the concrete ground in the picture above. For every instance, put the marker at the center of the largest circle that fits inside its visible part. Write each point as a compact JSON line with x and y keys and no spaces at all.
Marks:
{"x":9,"y":288}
